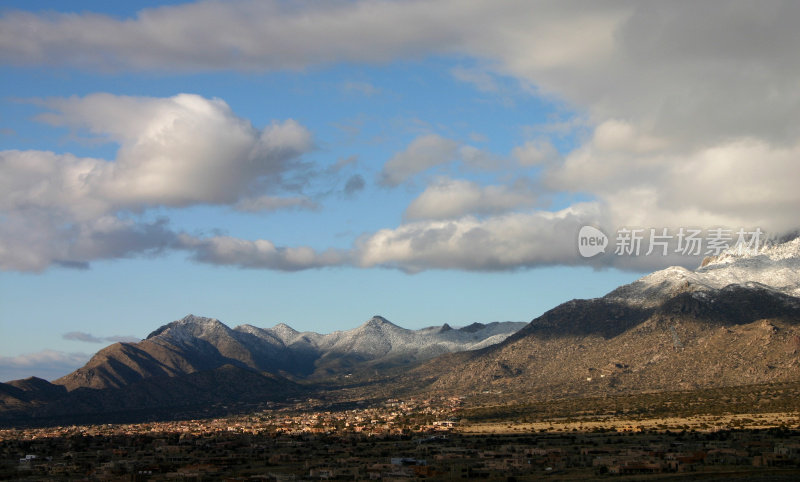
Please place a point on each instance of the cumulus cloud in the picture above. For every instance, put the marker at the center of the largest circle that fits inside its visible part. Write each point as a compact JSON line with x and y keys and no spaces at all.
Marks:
{"x":526,"y":239}
{"x":34,"y":239}
{"x":740,"y":183}
{"x":262,"y":254}
{"x":248,"y":35}
{"x":89,"y":338}
{"x":47,"y":364}
{"x":432,"y":150}
{"x":480,"y":159}
{"x":677,"y":69}
{"x":538,"y":152}
{"x":173,"y":152}
{"x":423,"y":153}
{"x":691,"y":121}
{"x":503,"y":242}
{"x":453,"y":198}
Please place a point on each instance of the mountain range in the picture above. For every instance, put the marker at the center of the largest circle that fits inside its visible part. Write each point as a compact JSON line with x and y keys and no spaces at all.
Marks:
{"x":180,"y":363}
{"x":195,"y":344}
{"x":733,"y":321}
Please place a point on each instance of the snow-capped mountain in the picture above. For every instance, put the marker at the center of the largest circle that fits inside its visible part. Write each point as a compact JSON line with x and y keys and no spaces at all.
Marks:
{"x":775,"y":267}
{"x":196,"y":343}
{"x":733,"y":321}
{"x":379,"y":337}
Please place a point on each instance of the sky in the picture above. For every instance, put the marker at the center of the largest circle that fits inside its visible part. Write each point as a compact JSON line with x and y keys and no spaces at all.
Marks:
{"x":318,"y":163}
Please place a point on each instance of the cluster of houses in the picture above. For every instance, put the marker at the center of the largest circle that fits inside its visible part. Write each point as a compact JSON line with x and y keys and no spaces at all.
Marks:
{"x":399,"y":439}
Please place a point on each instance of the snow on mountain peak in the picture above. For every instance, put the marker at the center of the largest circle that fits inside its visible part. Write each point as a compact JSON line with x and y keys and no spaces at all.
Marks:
{"x":190,"y":327}
{"x":199,"y":323}
{"x":250,"y":329}
{"x":197,"y":320}
{"x":776,"y":266}
{"x":769,"y":251}
{"x":375,"y":338}
{"x":379,"y":321}
{"x":284,"y":332}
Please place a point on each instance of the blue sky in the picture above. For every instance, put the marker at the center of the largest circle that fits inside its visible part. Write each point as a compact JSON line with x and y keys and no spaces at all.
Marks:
{"x":316,"y":164}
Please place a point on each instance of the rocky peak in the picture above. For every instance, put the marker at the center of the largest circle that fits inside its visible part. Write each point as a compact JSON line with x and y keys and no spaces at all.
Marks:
{"x":284,"y":328}
{"x":378,"y":321}
{"x":776,"y":266}
{"x":285,"y":333}
{"x":190,"y":325}
{"x":473,"y":328}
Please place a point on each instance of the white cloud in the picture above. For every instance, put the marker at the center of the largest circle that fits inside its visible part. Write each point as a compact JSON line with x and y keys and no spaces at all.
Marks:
{"x":738,"y":183}
{"x":536,"y":152}
{"x":695,"y":108}
{"x":454,"y":198}
{"x":680,"y":70}
{"x":173,"y":152}
{"x":240,"y":34}
{"x":431,"y":150}
{"x":47,"y":364}
{"x":177,"y":151}
{"x":502,"y":242}
{"x":475,"y":158}
{"x":250,"y":34}
{"x":34,"y":239}
{"x":683,"y":73}
{"x":423,"y":153}
{"x":262,"y":254}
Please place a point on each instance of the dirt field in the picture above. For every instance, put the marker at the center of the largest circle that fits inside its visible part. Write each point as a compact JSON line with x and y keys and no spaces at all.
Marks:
{"x":700,"y":423}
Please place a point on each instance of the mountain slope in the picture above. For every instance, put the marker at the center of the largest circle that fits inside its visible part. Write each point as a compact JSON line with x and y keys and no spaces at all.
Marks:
{"x":193,"y":364}
{"x":776,"y":266}
{"x":734,"y":321}
{"x":158,"y":397}
{"x":195,"y":344}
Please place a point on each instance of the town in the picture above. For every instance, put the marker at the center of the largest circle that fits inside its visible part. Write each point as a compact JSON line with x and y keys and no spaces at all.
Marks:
{"x":396,"y":439}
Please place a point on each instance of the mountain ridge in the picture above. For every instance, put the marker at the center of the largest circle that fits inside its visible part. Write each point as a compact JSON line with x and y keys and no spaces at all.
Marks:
{"x":735,"y":319}
{"x":195,"y":343}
